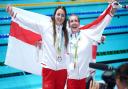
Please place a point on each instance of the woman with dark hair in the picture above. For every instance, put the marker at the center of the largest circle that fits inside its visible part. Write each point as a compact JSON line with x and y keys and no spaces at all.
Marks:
{"x":55,"y":39}
{"x":55,"y":21}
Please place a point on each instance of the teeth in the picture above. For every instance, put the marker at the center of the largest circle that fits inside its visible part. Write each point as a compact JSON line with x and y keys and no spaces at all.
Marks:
{"x":74,"y":27}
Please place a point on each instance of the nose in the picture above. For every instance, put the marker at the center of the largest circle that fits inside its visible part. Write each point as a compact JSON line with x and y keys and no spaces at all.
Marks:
{"x":60,"y":16}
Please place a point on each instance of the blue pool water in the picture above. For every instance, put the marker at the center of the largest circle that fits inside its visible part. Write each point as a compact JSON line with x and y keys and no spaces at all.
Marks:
{"x":116,"y":40}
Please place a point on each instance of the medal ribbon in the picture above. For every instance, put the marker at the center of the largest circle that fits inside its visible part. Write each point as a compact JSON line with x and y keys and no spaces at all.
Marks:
{"x":75,"y":48}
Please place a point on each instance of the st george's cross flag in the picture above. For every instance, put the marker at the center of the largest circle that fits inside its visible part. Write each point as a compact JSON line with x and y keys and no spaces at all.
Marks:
{"x":22,"y":53}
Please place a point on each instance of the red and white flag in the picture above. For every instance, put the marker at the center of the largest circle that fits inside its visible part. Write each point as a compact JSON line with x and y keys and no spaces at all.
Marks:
{"x":21,"y":51}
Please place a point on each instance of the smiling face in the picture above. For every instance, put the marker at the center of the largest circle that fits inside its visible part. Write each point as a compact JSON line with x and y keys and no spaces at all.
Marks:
{"x":60,"y":17}
{"x":74,"y":23}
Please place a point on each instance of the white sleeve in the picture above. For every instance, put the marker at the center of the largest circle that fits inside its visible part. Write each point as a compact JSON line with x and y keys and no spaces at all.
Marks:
{"x":95,"y":29}
{"x":96,"y":32}
{"x":31,"y":20}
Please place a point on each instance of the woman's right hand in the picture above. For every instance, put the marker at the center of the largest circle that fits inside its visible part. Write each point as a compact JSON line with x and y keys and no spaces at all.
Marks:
{"x":10,"y":11}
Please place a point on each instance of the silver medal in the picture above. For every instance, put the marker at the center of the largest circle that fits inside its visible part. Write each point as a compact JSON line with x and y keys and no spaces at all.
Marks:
{"x":59,"y":58}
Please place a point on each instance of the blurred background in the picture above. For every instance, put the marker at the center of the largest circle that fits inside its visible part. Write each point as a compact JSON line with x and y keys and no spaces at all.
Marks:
{"x":113,"y":52}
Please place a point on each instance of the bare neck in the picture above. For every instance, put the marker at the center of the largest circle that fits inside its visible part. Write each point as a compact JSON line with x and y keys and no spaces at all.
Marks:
{"x":74,"y":31}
